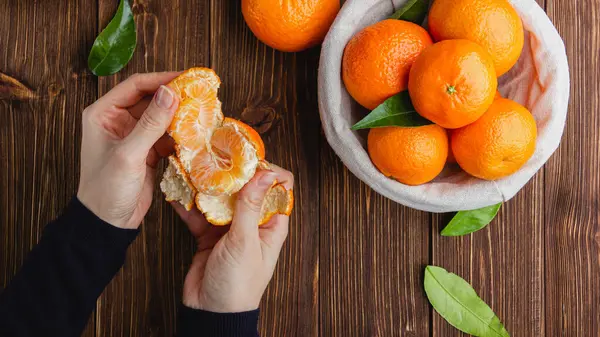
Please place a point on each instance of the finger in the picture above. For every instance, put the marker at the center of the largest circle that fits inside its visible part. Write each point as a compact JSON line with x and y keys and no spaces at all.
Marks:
{"x":130,"y":91}
{"x":249,"y":203}
{"x":165,"y":146}
{"x":273,"y":235}
{"x":138,"y":108}
{"x":195,"y":221}
{"x":153,"y":158}
{"x":211,"y":236}
{"x":116,"y":121}
{"x":153,"y":123}
{"x":285,"y":177}
{"x":193,"y":279}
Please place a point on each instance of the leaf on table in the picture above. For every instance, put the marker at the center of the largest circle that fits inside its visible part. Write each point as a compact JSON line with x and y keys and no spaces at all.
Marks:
{"x":457,"y":302}
{"x":394,"y":111}
{"x":466,"y":222}
{"x":414,"y":11}
{"x":115,"y":45}
{"x":12,"y":89}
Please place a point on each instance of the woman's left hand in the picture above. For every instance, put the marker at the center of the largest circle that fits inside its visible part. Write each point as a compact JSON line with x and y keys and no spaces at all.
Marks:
{"x":123,"y":140}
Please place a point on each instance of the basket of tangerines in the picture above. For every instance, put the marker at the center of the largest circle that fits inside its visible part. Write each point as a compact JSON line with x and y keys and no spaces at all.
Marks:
{"x":447,"y":106}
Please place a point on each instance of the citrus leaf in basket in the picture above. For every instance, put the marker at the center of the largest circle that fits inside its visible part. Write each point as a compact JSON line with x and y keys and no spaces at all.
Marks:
{"x":413,"y":11}
{"x":457,"y":302}
{"x":466,"y":222}
{"x":115,"y":45}
{"x":394,"y":111}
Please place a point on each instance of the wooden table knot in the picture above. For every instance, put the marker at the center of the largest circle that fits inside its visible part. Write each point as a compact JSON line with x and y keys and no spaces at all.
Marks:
{"x":260,"y":118}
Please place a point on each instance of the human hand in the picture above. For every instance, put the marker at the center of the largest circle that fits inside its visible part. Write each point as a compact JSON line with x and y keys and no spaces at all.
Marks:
{"x":123,"y":140}
{"x":233,"y":265}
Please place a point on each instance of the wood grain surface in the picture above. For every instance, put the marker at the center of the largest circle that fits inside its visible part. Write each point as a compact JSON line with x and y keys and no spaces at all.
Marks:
{"x":572,"y":182}
{"x":354,"y":260}
{"x":40,"y":138}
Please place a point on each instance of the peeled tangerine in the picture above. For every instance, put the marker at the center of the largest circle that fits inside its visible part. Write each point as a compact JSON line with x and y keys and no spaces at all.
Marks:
{"x":215,"y":156}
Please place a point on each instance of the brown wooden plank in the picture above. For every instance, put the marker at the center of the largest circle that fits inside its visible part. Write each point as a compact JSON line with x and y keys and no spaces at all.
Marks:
{"x":43,"y":44}
{"x":372,"y":255}
{"x":142,"y":300}
{"x":276,"y":93}
{"x":572,"y":182}
{"x":504,"y":262}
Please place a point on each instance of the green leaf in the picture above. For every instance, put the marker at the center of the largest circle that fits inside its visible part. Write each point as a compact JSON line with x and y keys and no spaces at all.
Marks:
{"x":456,"y":301}
{"x":114,"y":47}
{"x":395,"y":111}
{"x":465,"y":222}
{"x":413,"y":11}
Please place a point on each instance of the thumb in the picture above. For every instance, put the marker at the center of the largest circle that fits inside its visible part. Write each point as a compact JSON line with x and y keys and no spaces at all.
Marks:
{"x":154,"y":122}
{"x":247,"y":208}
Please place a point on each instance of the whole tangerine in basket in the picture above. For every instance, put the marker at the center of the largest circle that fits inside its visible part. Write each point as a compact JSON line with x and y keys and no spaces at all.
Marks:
{"x":493,"y":24}
{"x":452,"y":83}
{"x":451,"y":159}
{"x":377,"y":60}
{"x":215,"y":156}
{"x":497,"y":144}
{"x":411,"y":155}
{"x":290,"y":26}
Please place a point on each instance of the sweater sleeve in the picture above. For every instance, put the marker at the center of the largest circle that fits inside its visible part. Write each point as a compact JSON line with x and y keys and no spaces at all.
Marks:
{"x":200,"y":323}
{"x":55,"y":291}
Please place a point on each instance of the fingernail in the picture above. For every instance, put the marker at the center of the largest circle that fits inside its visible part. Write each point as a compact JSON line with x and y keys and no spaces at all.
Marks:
{"x":267,"y":179}
{"x":164,"y":97}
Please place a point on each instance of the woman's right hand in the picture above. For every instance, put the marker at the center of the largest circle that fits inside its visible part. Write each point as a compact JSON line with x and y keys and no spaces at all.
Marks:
{"x":233,"y":265}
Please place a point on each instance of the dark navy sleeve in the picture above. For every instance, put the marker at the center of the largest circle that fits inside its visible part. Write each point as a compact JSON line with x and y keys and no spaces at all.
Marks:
{"x":55,"y":291}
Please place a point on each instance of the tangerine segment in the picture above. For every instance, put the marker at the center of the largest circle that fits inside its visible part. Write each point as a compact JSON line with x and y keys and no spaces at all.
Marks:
{"x":498,"y":143}
{"x":199,"y":110}
{"x":250,"y":134}
{"x":187,"y":84}
{"x":224,"y":165}
{"x":219,"y":210}
{"x":194,"y":122}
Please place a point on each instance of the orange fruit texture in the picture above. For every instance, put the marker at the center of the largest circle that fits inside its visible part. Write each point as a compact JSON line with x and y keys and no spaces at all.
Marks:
{"x":452,"y":83}
{"x":498,"y":143}
{"x":218,"y":158}
{"x":493,"y":24}
{"x":411,"y":155}
{"x":377,"y":60}
{"x":215,"y":156}
{"x":450,"y":159}
{"x":218,"y":210}
{"x":290,"y":26}
{"x":250,"y":134}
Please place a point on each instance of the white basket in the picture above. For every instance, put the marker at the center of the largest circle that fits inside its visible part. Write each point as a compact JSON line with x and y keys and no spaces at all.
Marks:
{"x":539,"y":81}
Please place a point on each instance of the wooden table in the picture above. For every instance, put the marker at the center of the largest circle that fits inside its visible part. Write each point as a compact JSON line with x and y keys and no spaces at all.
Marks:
{"x":353,"y":263}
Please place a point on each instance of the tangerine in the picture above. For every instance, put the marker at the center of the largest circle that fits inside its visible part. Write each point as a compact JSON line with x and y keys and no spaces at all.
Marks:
{"x":452,"y":83}
{"x":290,"y":26}
{"x":377,"y":60}
{"x":411,"y":155}
{"x":493,"y":24}
{"x":498,"y":143}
